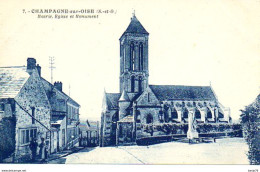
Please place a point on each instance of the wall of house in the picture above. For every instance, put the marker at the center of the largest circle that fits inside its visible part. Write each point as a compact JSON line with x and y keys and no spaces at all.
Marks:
{"x":32,"y":95}
{"x":7,"y":137}
{"x":72,"y":122}
{"x":56,"y":98}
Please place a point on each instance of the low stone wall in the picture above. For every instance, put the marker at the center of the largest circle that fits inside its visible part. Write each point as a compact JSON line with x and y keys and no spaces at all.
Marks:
{"x":154,"y":130}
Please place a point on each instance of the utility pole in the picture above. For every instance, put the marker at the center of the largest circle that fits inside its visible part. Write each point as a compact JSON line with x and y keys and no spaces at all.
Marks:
{"x":51,"y":62}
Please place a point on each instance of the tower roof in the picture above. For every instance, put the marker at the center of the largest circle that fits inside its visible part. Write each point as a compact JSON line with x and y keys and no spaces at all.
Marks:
{"x":135,"y":27}
{"x":124,"y":96}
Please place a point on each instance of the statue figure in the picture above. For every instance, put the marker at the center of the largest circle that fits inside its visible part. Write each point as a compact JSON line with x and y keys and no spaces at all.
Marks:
{"x":192,"y":132}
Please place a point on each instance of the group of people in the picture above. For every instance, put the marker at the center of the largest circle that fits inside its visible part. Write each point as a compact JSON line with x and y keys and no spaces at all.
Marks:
{"x":43,"y":152}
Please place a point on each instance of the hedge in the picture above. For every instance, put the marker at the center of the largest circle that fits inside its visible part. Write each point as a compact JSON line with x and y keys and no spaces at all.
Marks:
{"x":173,"y":128}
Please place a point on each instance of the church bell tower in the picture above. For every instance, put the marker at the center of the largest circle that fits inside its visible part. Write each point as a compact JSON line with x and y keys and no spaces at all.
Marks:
{"x":134,"y":71}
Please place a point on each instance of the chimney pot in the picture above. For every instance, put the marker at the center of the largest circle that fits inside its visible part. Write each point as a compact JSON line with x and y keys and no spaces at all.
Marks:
{"x":58,"y":85}
{"x":38,"y":67}
{"x":31,"y":63}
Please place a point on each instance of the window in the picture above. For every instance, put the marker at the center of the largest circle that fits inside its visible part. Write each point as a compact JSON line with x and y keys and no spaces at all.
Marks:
{"x":221,"y":115}
{"x":132,"y":83}
{"x":174,"y":114}
{"x":140,"y":84}
{"x":166,"y":114}
{"x":141,"y":49}
{"x":132,"y":57}
{"x":209,"y":114}
{"x":149,"y":119}
{"x":185,"y":113}
{"x":197,"y":114}
{"x":115,"y":117}
{"x":148,"y":97}
{"x":27,"y":135}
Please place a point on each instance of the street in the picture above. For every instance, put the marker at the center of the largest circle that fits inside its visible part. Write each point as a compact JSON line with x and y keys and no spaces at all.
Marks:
{"x":224,"y":151}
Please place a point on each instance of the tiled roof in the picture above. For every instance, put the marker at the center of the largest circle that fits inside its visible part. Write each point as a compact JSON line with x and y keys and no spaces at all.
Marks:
{"x":93,"y":125}
{"x":12,"y":80}
{"x":45,"y":83}
{"x":112,"y":100}
{"x":135,"y":27}
{"x":179,"y":92}
{"x":89,"y":125}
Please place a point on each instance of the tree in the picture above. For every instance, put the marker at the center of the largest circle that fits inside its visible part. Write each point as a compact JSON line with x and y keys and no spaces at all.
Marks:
{"x":250,"y":120}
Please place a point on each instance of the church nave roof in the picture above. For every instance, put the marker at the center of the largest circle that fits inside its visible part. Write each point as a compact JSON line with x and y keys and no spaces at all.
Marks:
{"x":180,"y":92}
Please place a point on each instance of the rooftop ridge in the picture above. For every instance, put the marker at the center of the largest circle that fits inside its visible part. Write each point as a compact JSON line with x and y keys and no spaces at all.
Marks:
{"x":180,"y":85}
{"x":12,"y":66}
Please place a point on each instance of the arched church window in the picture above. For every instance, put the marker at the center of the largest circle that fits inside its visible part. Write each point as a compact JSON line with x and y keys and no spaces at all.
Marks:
{"x":174,"y":114}
{"x":197,"y":114}
{"x":115,"y":117}
{"x":209,"y":114}
{"x":149,"y":119}
{"x":185,"y":113}
{"x":141,"y":56}
{"x":132,"y":56}
{"x":132,"y":83}
{"x":140,"y":84}
{"x":166,"y":115}
{"x":220,"y":115}
{"x":124,"y":61}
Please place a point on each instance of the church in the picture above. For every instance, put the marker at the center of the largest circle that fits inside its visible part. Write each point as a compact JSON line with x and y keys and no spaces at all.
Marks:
{"x":125,"y":115}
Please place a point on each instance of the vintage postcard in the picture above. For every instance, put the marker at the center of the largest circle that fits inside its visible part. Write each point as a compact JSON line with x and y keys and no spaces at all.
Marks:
{"x":130,"y":82}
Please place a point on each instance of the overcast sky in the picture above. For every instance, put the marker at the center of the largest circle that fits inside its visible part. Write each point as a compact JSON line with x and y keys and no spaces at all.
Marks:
{"x":191,"y":43}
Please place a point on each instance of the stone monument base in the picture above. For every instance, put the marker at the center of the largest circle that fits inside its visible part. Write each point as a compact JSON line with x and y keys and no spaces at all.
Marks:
{"x":192,"y":134}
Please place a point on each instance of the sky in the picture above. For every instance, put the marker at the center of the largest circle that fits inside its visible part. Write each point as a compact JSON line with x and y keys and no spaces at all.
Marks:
{"x":190,"y":43}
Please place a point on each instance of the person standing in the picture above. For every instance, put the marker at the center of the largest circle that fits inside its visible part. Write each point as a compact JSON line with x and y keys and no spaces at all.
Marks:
{"x":33,"y":148}
{"x":42,"y":150}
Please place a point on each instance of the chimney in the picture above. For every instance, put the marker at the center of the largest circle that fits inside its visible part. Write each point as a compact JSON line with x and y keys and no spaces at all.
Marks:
{"x":38,"y":67}
{"x":58,"y":85}
{"x":31,"y":63}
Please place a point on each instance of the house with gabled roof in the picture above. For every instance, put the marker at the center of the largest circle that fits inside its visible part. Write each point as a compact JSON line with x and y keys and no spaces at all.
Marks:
{"x":23,"y":101}
{"x":138,"y":103}
{"x":32,"y":108}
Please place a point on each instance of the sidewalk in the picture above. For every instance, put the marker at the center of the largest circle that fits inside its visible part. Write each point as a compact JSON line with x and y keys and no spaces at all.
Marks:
{"x":58,"y":155}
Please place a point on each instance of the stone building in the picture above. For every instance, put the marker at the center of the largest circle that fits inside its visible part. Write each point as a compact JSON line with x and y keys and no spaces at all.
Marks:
{"x":29,"y":110}
{"x":89,"y":133}
{"x":138,"y":103}
{"x":64,"y":116}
